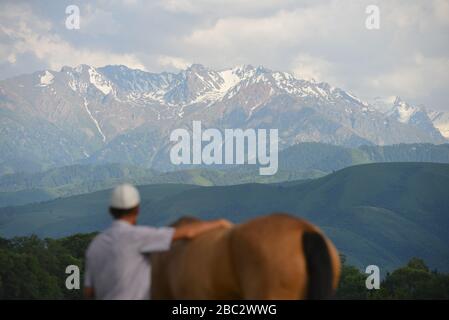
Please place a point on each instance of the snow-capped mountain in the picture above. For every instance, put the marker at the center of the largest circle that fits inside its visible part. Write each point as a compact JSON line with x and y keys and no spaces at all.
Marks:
{"x":440,"y":121}
{"x":117,"y":114}
{"x":435,"y":123}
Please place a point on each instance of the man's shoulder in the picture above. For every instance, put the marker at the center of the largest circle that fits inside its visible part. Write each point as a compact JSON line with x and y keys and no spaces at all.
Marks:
{"x":97,"y":241}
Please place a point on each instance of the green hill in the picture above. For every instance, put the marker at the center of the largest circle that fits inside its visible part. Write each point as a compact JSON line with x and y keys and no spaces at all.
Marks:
{"x":301,"y":161}
{"x":381,"y":214}
{"x":327,"y":158}
{"x":24,"y":188}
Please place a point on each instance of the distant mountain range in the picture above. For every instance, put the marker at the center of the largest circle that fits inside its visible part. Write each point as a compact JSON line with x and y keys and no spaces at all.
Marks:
{"x":382,"y":214}
{"x":115,"y":114}
{"x":301,"y":161}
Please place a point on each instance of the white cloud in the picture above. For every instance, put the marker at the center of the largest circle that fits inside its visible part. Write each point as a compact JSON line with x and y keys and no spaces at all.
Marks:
{"x":12,"y":58}
{"x":412,"y":78}
{"x":238,"y":33}
{"x":312,"y":68}
{"x":98,"y":21}
{"x":29,"y":34}
{"x":224,"y":7}
{"x":174,"y":62}
{"x":441,"y":11}
{"x":179,"y":5}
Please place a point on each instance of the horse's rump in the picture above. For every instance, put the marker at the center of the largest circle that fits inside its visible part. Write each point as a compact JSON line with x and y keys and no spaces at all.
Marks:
{"x":260,"y":259}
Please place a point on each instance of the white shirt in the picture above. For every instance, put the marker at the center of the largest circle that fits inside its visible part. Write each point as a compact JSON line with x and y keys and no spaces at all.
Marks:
{"x":117,"y":262}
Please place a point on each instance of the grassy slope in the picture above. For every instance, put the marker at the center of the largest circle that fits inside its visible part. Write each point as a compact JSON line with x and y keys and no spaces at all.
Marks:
{"x":20,"y":189}
{"x":377,"y":213}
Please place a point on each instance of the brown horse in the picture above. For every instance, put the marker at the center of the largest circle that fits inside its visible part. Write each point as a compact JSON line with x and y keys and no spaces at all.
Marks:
{"x":270,"y":257}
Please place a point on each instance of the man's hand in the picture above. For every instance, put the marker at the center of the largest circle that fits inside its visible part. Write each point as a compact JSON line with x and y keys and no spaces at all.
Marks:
{"x":225,"y":223}
{"x":193,"y":230}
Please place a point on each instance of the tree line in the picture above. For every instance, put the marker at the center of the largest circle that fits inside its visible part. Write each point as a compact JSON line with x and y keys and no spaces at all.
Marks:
{"x":34,"y":268}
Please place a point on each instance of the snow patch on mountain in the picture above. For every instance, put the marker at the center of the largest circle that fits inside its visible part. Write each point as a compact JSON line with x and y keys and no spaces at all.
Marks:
{"x":403,"y":111}
{"x":46,"y":79}
{"x":230,"y":79}
{"x":441,"y":122}
{"x":383,"y":104}
{"x":218,"y":84}
{"x":99,"y":82}
{"x":94,"y":120}
{"x":353,"y":97}
{"x":72,"y":85}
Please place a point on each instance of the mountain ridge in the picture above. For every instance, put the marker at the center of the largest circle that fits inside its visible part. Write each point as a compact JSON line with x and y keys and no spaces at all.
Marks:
{"x":115,"y":114}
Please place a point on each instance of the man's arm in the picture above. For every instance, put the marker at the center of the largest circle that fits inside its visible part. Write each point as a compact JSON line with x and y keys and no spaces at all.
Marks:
{"x":192,"y":230}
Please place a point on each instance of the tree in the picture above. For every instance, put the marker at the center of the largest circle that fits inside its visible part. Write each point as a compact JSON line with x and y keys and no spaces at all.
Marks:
{"x":416,"y":281}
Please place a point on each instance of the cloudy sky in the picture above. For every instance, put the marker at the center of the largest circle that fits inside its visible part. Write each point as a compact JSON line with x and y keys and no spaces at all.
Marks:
{"x":322,"y":39}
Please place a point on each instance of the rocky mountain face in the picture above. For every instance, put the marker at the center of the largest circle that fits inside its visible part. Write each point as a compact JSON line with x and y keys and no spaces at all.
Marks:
{"x":116,"y":114}
{"x":440,"y":121}
{"x":433,"y":122}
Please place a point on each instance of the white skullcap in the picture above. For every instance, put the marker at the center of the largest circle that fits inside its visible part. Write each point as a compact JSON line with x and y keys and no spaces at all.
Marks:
{"x":125,"y":196}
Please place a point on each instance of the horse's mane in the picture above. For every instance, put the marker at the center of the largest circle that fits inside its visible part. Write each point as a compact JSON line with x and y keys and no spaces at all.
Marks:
{"x":184,"y":220}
